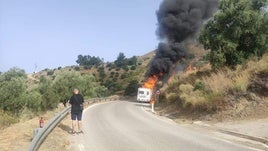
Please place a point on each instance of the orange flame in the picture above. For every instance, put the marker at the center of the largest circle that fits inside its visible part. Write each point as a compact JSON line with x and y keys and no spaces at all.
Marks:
{"x":150,"y":82}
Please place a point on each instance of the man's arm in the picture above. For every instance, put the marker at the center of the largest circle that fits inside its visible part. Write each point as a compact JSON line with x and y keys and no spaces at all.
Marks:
{"x":82,"y":98}
{"x":71,"y":101}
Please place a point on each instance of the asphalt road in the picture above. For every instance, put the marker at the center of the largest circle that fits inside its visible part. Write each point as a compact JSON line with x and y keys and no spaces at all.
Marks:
{"x":126,"y":126}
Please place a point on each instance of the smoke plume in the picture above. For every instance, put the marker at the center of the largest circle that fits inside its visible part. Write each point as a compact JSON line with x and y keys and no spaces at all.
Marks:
{"x":178,"y":20}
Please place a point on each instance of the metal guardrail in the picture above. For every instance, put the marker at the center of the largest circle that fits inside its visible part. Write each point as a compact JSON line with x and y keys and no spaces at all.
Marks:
{"x":43,"y":132}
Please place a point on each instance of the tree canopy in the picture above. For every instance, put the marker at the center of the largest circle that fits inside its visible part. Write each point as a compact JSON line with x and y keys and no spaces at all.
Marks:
{"x":13,"y":90}
{"x":238,"y":31}
{"x":132,"y":87}
{"x":122,"y":61}
{"x":88,"y":60}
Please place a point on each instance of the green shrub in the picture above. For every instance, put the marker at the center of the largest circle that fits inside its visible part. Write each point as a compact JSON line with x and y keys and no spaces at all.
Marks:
{"x":132,"y":87}
{"x":133,"y":68}
{"x":199,"y":85}
{"x":126,"y":68}
{"x":116,"y":74}
{"x":115,"y":79}
{"x":173,"y":97}
{"x":50,"y":72}
{"x":191,"y":98}
{"x":124,"y":75}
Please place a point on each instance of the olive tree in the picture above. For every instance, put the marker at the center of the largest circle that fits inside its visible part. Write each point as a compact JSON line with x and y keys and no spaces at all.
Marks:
{"x":238,"y":31}
{"x":12,"y":90}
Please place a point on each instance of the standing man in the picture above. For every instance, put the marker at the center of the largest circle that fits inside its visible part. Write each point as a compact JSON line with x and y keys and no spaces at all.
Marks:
{"x":76,"y":102}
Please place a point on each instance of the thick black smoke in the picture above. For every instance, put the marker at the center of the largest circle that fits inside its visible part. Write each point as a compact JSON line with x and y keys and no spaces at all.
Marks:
{"x":178,"y":20}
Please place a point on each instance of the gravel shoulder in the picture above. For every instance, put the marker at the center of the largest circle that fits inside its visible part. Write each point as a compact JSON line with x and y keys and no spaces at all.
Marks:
{"x":256,"y":128}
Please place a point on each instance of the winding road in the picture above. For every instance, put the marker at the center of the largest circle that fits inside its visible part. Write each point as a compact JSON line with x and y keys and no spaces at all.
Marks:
{"x":127,"y":126}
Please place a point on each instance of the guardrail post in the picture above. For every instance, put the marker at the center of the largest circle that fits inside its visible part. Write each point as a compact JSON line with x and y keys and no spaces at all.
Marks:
{"x":35,"y":132}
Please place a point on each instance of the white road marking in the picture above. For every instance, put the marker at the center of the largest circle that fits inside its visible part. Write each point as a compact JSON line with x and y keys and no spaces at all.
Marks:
{"x":81,"y":147}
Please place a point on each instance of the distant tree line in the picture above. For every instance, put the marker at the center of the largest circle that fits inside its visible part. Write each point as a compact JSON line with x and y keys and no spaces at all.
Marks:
{"x":89,"y":61}
{"x":122,"y":61}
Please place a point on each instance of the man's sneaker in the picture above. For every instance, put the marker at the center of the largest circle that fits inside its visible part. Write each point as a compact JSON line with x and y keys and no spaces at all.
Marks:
{"x":73,"y":132}
{"x":80,"y":132}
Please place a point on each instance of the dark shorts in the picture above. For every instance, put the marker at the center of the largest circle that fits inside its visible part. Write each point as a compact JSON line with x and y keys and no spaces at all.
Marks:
{"x":77,"y":116}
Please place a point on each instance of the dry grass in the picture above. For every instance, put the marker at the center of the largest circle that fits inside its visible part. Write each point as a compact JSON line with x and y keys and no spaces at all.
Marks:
{"x":255,"y":66}
{"x":6,"y":119}
{"x":241,"y":82}
{"x":224,"y":81}
{"x":18,"y":136}
{"x":218,"y":83}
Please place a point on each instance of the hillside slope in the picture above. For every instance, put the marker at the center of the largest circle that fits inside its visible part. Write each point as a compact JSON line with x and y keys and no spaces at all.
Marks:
{"x":200,"y":93}
{"x":108,"y":74}
{"x":195,"y":91}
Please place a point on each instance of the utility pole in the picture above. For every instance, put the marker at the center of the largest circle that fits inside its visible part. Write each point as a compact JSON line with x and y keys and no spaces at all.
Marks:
{"x":35,"y":68}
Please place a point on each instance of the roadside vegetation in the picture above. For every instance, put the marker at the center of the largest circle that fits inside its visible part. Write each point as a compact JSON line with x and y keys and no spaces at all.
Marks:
{"x":210,"y":91}
{"x":234,"y":76}
{"x":25,"y":96}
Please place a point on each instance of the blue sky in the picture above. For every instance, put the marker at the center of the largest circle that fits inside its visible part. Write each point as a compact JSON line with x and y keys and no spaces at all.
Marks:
{"x":52,"y":33}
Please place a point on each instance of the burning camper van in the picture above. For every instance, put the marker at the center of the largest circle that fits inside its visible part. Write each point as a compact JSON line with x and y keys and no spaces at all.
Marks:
{"x":146,"y":91}
{"x":144,"y":95}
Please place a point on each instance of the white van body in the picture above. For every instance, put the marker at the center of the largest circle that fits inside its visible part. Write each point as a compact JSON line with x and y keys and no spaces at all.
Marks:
{"x":144,"y":95}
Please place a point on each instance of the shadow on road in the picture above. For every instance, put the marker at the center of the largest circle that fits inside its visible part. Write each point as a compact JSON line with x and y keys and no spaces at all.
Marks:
{"x":65,"y":127}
